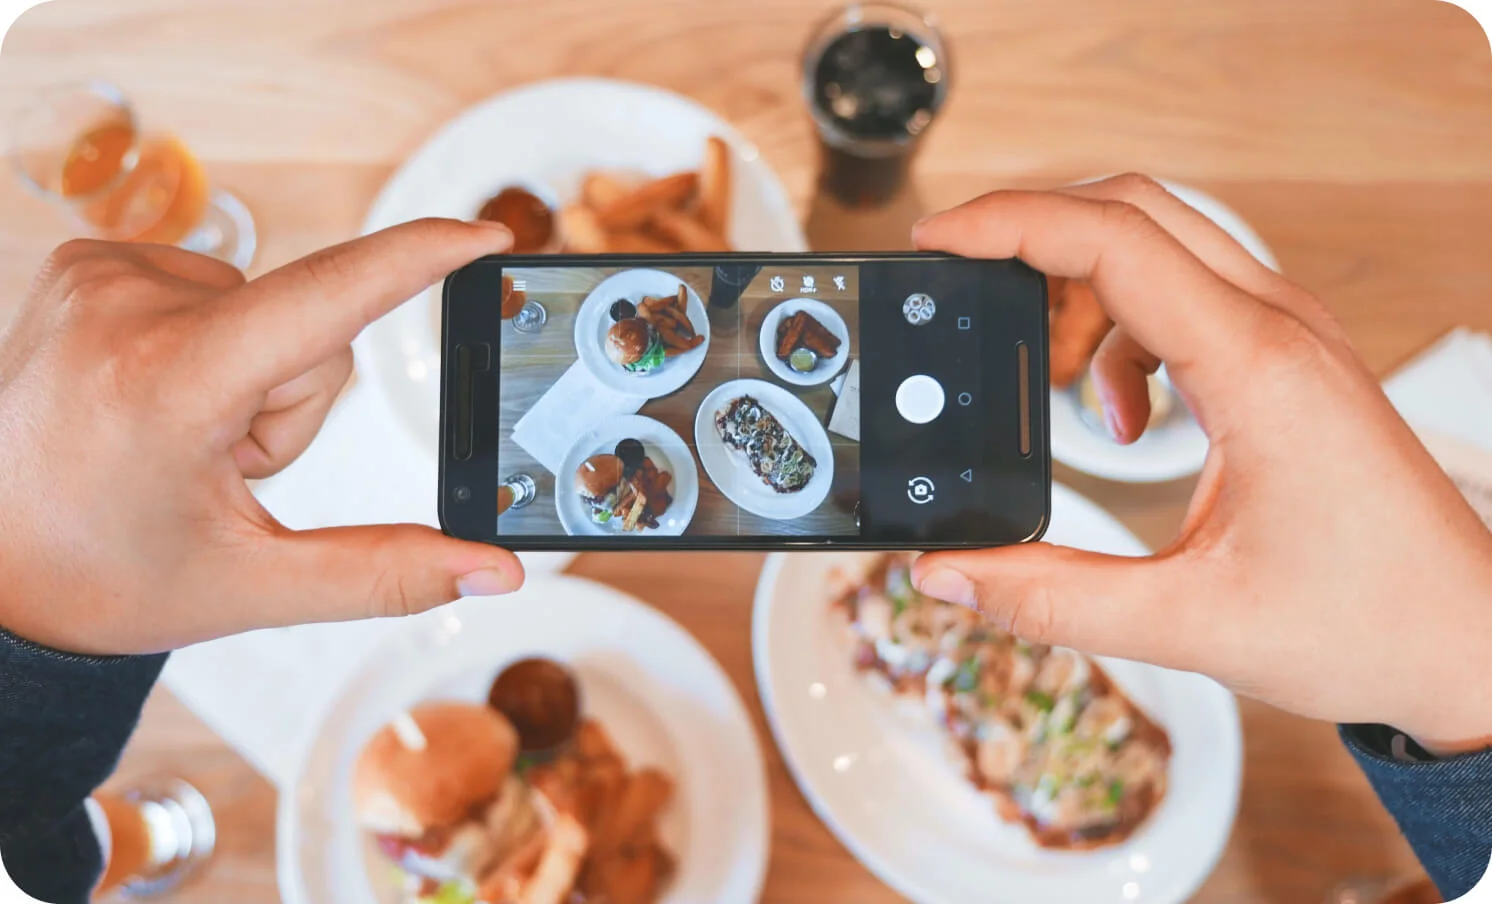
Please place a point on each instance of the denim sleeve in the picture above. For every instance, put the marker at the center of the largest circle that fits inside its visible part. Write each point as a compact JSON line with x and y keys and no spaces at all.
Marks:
{"x":63,"y":721}
{"x":1443,"y":806}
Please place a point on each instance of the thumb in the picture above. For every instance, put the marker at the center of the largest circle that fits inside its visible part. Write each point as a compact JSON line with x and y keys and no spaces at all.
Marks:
{"x":347,"y":573}
{"x":1106,"y":605}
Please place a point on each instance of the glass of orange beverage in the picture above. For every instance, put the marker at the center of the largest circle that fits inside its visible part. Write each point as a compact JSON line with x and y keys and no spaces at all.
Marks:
{"x":154,"y":835}
{"x":82,"y":147}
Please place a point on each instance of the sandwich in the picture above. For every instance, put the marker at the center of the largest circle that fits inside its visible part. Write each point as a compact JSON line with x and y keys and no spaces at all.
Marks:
{"x":598,"y":481}
{"x":635,"y":346}
{"x":437,"y":791}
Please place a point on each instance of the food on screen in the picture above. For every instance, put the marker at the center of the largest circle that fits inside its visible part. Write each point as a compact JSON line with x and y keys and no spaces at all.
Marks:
{"x":803,"y":332}
{"x":647,"y":334}
{"x":747,"y":427}
{"x":626,"y":490}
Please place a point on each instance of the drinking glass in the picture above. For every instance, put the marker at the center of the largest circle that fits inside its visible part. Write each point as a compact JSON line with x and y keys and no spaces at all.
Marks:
{"x":158,"y":832}
{"x":875,"y":76}
{"x":515,"y":493}
{"x":82,"y":147}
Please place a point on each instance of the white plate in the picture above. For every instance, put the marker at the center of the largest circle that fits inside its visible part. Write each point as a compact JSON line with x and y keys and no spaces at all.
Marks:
{"x":567,"y":127}
{"x":593,"y":321}
{"x":1175,"y":449}
{"x":657,"y":691}
{"x":666,"y":450}
{"x":832,"y":322}
{"x":728,"y":469}
{"x":876,"y":773}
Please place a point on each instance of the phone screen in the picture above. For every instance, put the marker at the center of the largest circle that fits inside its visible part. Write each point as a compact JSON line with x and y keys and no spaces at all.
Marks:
{"x":831,"y":402}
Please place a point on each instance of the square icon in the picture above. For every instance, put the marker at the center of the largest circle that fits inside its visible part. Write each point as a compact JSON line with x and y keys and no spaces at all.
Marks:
{"x":965,"y":323}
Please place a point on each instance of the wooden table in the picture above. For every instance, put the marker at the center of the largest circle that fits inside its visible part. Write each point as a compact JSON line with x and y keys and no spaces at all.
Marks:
{"x":1353,"y":134}
{"x":532,"y":364}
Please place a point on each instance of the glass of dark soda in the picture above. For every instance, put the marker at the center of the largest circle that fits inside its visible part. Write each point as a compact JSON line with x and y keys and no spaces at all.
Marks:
{"x":875,"y":76}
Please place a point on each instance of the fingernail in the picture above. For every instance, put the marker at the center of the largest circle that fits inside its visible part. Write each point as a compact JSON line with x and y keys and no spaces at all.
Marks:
{"x":948,"y":586}
{"x":487,"y":582}
{"x":1111,"y":420}
{"x":491,"y":226}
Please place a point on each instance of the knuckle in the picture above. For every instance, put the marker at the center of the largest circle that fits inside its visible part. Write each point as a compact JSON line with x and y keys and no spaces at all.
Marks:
{"x":1126,"y":217}
{"x":1136,"y":188}
{"x":1032,"y":612}
{"x":391,"y":596}
{"x":329,"y":269}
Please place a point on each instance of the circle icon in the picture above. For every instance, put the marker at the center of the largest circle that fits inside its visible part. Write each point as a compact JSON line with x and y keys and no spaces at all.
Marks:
{"x":919,"y":309}
{"x":965,"y":399}
{"x":920,"y":399}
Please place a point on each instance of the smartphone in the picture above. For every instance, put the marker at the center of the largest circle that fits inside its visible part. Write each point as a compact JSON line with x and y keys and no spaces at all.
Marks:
{"x":745,"y":401}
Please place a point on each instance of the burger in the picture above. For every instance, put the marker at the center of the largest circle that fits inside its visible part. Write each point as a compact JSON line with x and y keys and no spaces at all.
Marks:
{"x":437,"y":791}
{"x":635,"y":346}
{"x":598,"y":480}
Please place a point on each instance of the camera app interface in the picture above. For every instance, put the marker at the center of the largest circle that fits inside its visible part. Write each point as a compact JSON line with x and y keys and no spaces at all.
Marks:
{"x":700,"y":401}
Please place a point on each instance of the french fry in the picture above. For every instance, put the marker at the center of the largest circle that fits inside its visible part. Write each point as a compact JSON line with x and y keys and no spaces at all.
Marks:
{"x":683,"y":300}
{"x":647,"y":793}
{"x":506,"y":881}
{"x":583,"y":233}
{"x":641,"y":204}
{"x":559,"y":864}
{"x":633,"y":242}
{"x":714,"y":187}
{"x":597,"y":190}
{"x":792,"y":335}
{"x":691,"y":234}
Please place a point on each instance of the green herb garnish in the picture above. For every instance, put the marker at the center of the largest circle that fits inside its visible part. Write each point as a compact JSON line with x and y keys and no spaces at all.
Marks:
{"x":1041,"y":701}
{"x":1085,"y":781}
{"x":525,"y":762}
{"x":1116,"y":792}
{"x":603,"y":517}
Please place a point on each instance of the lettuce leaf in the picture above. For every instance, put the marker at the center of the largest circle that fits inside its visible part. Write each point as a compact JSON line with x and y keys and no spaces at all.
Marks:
{"x":651,"y":361}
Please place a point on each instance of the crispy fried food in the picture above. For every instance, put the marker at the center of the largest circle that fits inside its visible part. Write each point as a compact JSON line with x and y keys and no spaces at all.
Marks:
{"x":632,"y":242}
{"x":597,"y":190}
{"x":690,"y":233}
{"x":639,"y":506}
{"x":582,"y":231}
{"x":818,"y":338}
{"x":682,"y":301}
{"x":714,"y":187}
{"x":1079,"y":324}
{"x":505,"y":883}
{"x":647,"y":793}
{"x":552,"y":881}
{"x":642,"y":204}
{"x":790,"y":334}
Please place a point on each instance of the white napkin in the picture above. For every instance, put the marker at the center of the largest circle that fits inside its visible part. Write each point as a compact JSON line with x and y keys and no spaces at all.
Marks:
{"x":1445,"y":394}
{"x":574,"y":404}
{"x":1448,"y":388}
{"x":265,"y":692}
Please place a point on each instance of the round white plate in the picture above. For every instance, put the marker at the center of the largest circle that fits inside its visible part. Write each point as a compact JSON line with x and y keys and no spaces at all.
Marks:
{"x":567,"y":128}
{"x":666,"y":450}
{"x":832,"y":322}
{"x":875,"y":769}
{"x":659,"y":694}
{"x":1175,"y":449}
{"x":728,"y":469}
{"x":593,"y":321}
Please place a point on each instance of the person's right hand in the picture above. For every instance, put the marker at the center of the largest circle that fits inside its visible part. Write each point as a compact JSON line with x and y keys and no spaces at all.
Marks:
{"x":1326,"y":564}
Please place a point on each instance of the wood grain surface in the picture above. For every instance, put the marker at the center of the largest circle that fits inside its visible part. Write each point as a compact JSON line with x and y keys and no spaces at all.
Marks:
{"x":1354,"y":135}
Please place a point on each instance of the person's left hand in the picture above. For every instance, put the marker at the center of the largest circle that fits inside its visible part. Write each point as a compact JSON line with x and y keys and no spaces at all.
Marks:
{"x":141,"y":385}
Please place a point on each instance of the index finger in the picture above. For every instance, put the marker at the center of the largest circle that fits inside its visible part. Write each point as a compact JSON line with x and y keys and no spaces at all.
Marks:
{"x":1148,"y":281}
{"x":286,"y":322}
